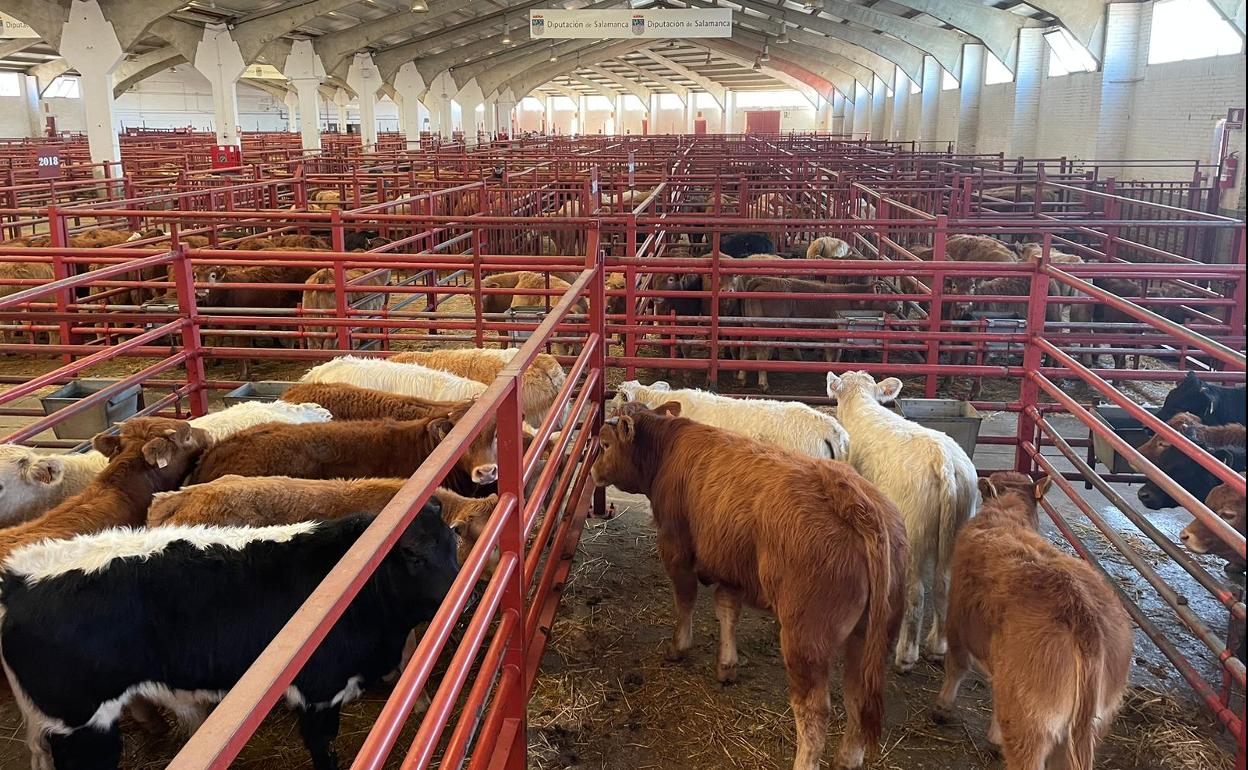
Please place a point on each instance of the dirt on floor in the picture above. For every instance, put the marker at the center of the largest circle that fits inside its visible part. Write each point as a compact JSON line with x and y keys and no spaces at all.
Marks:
{"x":607,"y":700}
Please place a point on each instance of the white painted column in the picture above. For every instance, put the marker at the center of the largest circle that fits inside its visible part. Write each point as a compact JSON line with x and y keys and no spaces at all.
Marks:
{"x":506,"y":108}
{"x":691,"y":110}
{"x":364,"y":79}
{"x":730,"y":108}
{"x":1125,"y":58}
{"x":341,"y":100}
{"x":1028,"y":76}
{"x":901,"y":105}
{"x":34,"y":110}
{"x":219,"y":59}
{"x":838,"y":113}
{"x":847,"y":112}
{"x":654,"y":113}
{"x":971,"y":89}
{"x":408,"y":84}
{"x":90,"y":45}
{"x":306,"y":73}
{"x":582,"y":114}
{"x":879,"y":109}
{"x":550,"y":115}
{"x":291,"y":101}
{"x":929,"y":117}
{"x":862,"y":110}
{"x":824,"y":118}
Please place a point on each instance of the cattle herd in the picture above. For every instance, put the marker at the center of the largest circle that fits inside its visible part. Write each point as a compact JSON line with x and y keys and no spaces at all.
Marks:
{"x":213,"y":531}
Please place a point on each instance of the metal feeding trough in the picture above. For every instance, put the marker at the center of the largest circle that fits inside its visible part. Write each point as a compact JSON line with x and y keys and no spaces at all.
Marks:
{"x":525,"y":315}
{"x":1125,"y":427}
{"x":100,"y":416}
{"x":265,"y":390}
{"x":862,"y":320}
{"x":959,"y":420}
{"x":1001,"y":323}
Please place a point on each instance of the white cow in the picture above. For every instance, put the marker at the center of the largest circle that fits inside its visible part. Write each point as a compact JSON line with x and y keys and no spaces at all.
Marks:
{"x":786,"y":424}
{"x":928,"y":477}
{"x":403,"y":379}
{"x":32,"y":483}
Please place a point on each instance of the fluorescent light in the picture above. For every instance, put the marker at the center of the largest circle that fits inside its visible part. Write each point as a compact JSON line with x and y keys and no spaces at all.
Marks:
{"x":784,"y":36}
{"x":811,"y":5}
{"x":766,"y":54}
{"x":420,"y":6}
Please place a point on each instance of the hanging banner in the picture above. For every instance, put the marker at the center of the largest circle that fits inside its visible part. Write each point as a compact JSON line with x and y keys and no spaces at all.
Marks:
{"x":661,"y":23}
{"x":11,"y":27}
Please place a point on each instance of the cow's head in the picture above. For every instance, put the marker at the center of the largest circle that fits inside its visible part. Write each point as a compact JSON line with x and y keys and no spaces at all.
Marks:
{"x":467,"y":517}
{"x":26,"y":479}
{"x":1014,"y":496}
{"x":480,"y":458}
{"x":1228,"y":504}
{"x":626,"y":392}
{"x":623,"y":447}
{"x":1185,"y":423}
{"x":1188,"y":474}
{"x":841,"y":387}
{"x":673,"y":282}
{"x":1190,"y":395}
{"x":427,"y":551}
{"x":169,"y":448}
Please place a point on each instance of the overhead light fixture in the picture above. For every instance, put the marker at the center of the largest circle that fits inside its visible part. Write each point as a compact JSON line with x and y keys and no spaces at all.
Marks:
{"x":757,"y":66}
{"x":506,"y":31}
{"x":553,"y":55}
{"x":811,"y":5}
{"x":766,"y":54}
{"x":420,"y":6}
{"x":784,"y":36}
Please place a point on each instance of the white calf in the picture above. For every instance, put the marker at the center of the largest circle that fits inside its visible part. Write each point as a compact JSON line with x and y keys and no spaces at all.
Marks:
{"x":403,"y":379}
{"x":786,"y":424}
{"x":928,"y":477}
{"x":227,"y":422}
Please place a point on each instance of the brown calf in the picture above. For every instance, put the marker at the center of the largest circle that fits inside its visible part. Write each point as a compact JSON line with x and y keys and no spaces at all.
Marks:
{"x":1046,"y":627}
{"x":809,"y":540}
{"x":348,"y":402}
{"x":351,"y":450}
{"x":1229,"y":504}
{"x":149,"y":455}
{"x":1211,"y":437}
{"x":360,"y":300}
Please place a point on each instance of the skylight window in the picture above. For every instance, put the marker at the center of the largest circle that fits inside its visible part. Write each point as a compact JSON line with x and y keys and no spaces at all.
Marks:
{"x":996,"y":72}
{"x":947,"y":81}
{"x":63,"y":88}
{"x":1066,"y":54}
{"x":1190,"y":29}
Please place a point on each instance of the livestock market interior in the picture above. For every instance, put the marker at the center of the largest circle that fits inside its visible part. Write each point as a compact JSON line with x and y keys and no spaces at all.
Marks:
{"x":1030,"y":215}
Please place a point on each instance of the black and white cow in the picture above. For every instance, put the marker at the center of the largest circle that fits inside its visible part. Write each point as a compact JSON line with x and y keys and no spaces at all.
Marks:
{"x":177,"y":614}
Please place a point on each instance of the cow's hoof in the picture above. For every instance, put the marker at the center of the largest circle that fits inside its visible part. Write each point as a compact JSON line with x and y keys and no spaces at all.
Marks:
{"x":904,"y":667}
{"x":674,"y":655}
{"x":726,"y":674}
{"x":942,"y":715}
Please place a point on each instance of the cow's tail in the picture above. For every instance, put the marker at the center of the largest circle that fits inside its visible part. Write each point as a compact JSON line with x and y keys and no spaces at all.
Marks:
{"x":957,"y":505}
{"x":1081,"y":743}
{"x":164,"y":505}
{"x":879,"y":548}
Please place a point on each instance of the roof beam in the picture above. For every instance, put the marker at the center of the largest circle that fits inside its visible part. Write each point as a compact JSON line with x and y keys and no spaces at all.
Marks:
{"x":996,"y":28}
{"x":598,"y":51}
{"x":337,"y":48}
{"x":252,"y":35}
{"x":716,"y":91}
{"x":682,"y":92}
{"x":797,"y":77}
{"x":48,"y":19}
{"x":628,"y":84}
{"x":48,"y":71}
{"x":596,"y":87}
{"x":491,"y":74}
{"x":868,"y":48}
{"x":1232,"y":11}
{"x":804,"y":59}
{"x":943,"y":44}
{"x":133,"y":71}
{"x":17,"y":45}
{"x":562,"y":89}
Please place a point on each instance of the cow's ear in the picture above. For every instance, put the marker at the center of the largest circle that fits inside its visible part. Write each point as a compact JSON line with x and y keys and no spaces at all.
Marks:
{"x":986,"y":488}
{"x":887,"y":390}
{"x":1042,"y":487}
{"x":107,"y":444}
{"x":440,"y":427}
{"x":660,"y":385}
{"x":626,"y":428}
{"x":834,"y":383}
{"x":43,"y":470}
{"x":670,"y":409}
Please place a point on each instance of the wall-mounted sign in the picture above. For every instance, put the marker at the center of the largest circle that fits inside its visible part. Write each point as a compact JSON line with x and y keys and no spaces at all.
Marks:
{"x":11,"y":27}
{"x":662,"y":23}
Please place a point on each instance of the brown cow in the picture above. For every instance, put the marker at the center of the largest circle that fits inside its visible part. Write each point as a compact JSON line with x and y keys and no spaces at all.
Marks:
{"x":808,"y":539}
{"x":358,"y":300}
{"x":353,"y":449}
{"x":348,"y":402}
{"x":149,"y":455}
{"x":1229,"y":504}
{"x":1046,"y":627}
{"x":1211,"y":437}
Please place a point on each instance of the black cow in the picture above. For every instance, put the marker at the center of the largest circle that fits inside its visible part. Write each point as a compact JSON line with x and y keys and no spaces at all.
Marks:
{"x":1188,"y":474}
{"x":1213,"y":404}
{"x":178,"y":614}
{"x":744,"y":244}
